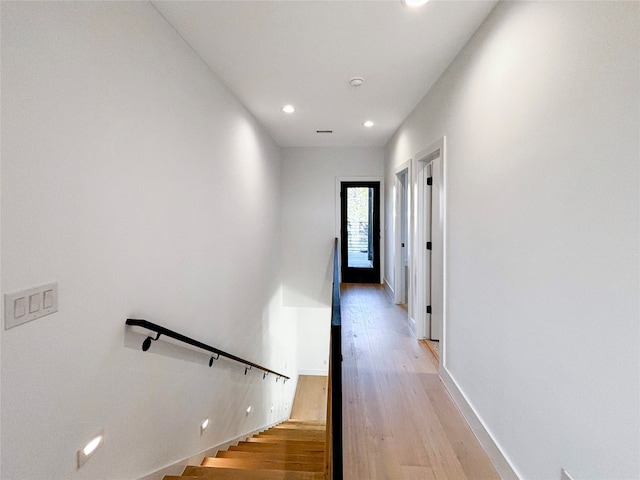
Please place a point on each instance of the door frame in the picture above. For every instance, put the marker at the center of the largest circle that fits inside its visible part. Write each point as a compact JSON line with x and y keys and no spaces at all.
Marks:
{"x":401,"y":289}
{"x":436,"y":151}
{"x":338,"y":215}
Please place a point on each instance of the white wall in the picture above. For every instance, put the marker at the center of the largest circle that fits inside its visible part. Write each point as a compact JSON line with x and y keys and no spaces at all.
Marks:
{"x":133,"y":178}
{"x":308,"y":231}
{"x":542,"y":117}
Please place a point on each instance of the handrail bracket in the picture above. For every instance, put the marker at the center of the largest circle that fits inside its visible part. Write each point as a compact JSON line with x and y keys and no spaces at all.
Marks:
{"x":146,"y":345}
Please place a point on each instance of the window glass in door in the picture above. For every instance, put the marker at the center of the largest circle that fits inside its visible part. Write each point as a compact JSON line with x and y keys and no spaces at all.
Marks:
{"x":360,"y":232}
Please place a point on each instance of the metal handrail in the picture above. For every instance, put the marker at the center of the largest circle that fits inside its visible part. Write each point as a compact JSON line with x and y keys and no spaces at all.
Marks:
{"x":334,"y":410}
{"x":183,"y":338}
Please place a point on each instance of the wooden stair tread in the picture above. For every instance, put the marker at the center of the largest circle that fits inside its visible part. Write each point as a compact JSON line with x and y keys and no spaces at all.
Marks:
{"x":293,"y":433}
{"x":300,"y":426}
{"x":251,"y":463}
{"x":277,"y":448}
{"x":209,"y":473}
{"x":297,"y":430}
{"x":285,"y":441}
{"x":292,"y":450}
{"x":281,"y":457}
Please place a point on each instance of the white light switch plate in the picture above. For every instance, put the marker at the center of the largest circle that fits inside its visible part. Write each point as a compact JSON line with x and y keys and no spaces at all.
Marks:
{"x":22,"y":307}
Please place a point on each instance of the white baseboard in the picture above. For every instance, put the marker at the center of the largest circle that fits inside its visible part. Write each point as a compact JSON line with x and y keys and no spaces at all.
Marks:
{"x":495,"y":453}
{"x":412,"y":326}
{"x":389,"y":289}
{"x":178,"y":467}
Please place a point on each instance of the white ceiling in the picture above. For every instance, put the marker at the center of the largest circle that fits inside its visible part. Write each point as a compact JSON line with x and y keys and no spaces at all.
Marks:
{"x":272,"y":53}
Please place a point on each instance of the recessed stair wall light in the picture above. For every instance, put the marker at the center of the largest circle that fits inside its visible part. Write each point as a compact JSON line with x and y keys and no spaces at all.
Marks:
{"x":368,"y":124}
{"x":288,"y":109}
{"x":248,"y":410}
{"x":204,"y":425}
{"x":413,"y":3}
{"x":89,"y":449}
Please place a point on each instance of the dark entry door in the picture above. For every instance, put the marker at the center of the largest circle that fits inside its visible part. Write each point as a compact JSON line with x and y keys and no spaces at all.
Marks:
{"x":360,"y":232}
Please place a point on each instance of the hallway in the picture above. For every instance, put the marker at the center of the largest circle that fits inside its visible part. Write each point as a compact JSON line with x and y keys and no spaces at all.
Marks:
{"x":399,"y":421}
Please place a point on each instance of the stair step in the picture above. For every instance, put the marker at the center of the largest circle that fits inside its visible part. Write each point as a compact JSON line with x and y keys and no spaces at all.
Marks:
{"x":292,"y":433}
{"x":250,"y":463}
{"x":271,"y":456}
{"x":293,"y":450}
{"x":277,"y":448}
{"x":285,"y":441}
{"x":208,"y":473}
{"x":302,"y":426}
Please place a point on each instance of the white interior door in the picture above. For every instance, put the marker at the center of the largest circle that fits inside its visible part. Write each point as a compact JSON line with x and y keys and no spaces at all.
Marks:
{"x":427,"y":224}
{"x":404,"y":236}
{"x":436,"y":226}
{"x":401,"y":213}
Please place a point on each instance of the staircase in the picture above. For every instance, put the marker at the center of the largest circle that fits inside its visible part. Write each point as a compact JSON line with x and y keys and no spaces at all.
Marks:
{"x":293,"y":450}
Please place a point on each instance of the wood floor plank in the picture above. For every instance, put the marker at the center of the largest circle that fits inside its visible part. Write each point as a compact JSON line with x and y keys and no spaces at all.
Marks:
{"x":399,"y":421}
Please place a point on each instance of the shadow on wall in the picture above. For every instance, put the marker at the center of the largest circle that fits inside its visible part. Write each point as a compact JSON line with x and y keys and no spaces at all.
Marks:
{"x":314,"y":292}
{"x":134,"y":338}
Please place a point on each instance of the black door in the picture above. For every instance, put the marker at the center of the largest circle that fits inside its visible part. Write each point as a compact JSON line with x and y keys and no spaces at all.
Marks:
{"x":360,"y":232}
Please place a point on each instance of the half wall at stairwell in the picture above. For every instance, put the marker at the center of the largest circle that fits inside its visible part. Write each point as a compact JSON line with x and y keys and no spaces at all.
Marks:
{"x":134,"y":179}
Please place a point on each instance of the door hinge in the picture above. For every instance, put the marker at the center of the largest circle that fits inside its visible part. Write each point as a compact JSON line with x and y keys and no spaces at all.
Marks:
{"x":428,"y":308}
{"x":429,"y":180}
{"x":428,"y":245}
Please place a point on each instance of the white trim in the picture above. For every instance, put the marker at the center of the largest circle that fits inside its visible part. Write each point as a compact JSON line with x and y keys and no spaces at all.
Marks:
{"x":339,"y":180}
{"x":496,"y":454}
{"x":389,"y":289}
{"x":401,"y":291}
{"x":432,"y":155}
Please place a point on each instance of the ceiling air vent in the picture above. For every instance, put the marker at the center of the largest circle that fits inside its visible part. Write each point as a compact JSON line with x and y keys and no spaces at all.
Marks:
{"x":324,"y":131}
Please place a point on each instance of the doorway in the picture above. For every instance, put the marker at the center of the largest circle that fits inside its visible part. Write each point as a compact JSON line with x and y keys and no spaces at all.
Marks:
{"x":360,"y":231}
{"x":428,"y":308}
{"x":402,"y":237}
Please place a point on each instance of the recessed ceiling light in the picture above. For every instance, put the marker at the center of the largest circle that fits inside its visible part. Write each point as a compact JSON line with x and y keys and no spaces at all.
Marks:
{"x":356,"y":81}
{"x":368,"y":124}
{"x":413,"y":3}
{"x":288,"y":109}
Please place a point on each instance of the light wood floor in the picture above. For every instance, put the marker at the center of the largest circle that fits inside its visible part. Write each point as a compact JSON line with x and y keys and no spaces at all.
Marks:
{"x":310,"y":402}
{"x":399,"y":421}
